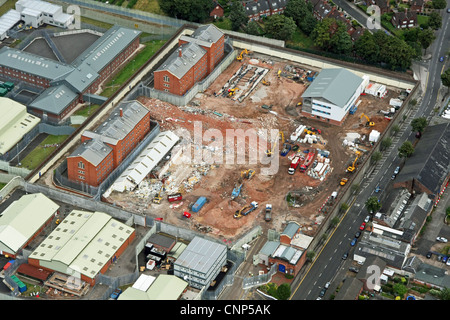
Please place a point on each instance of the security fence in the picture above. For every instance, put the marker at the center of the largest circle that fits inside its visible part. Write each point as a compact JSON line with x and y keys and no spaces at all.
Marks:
{"x":255,"y":281}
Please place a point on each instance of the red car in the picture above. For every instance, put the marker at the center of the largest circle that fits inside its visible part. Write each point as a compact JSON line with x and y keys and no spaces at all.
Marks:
{"x":362,"y":226}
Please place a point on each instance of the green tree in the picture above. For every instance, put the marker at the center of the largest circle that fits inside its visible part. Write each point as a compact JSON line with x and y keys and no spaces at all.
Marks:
{"x":439,"y":4}
{"x":395,"y":129}
{"x":435,"y":20}
{"x":284,"y":291}
{"x":279,"y":27}
{"x":419,"y":124}
{"x":302,"y":13}
{"x":253,"y":28}
{"x":321,"y":34}
{"x":385,"y":143}
{"x":445,"y":78}
{"x":373,"y":204}
{"x":376,"y":156}
{"x":310,"y":255}
{"x":341,"y":42}
{"x":405,"y":150}
{"x":445,"y":294}
{"x":400,"y":289}
{"x":190,"y":10}
{"x":426,"y":38}
{"x":366,"y":48}
{"x":237,"y":16}
{"x":344,"y":207}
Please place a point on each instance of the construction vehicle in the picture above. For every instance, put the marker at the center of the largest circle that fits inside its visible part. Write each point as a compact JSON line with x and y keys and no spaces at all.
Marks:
{"x":309,"y":159}
{"x":343,"y":181}
{"x":368,"y":123}
{"x":157,"y":199}
{"x":269,"y":152}
{"x":248,"y":174}
{"x":236,"y":191}
{"x":241,"y":55}
{"x":294,"y":164}
{"x":268,"y":215}
{"x":352,"y":167}
{"x":231,"y":92}
{"x":279,"y":73}
{"x":265,"y":82}
{"x":246,"y":210}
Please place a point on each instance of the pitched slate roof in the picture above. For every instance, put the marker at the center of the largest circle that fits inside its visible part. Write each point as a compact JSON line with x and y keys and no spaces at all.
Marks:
{"x":430,"y":162}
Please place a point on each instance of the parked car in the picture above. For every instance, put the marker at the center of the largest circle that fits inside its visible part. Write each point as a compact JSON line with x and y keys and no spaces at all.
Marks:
{"x":363,"y":225}
{"x":441,"y":59}
{"x":116,"y":293}
{"x":345,"y":256}
{"x":429,"y":254}
{"x":353,"y":269}
{"x":397,"y":170}
{"x":286,"y":149}
{"x":353,"y":242}
{"x":367,"y":219}
{"x":327,"y":285}
{"x":448,"y":262}
{"x":445,"y":259}
{"x":441,"y":239}
{"x":322,"y":292}
{"x":377,"y":189}
{"x":358,"y":234}
{"x":295,"y":147}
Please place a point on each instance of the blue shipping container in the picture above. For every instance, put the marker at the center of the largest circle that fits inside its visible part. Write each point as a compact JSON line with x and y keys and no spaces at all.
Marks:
{"x":198,"y":204}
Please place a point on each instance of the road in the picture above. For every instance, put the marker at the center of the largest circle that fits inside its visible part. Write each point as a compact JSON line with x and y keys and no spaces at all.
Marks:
{"x":329,"y":264}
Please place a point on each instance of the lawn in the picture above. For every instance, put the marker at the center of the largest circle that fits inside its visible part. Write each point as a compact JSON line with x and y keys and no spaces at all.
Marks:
{"x":140,"y":59}
{"x":299,"y":39}
{"x":9,"y":4}
{"x":225,"y":24}
{"x":149,"y":6}
{"x":2,"y":185}
{"x":40,"y":153}
{"x":86,"y":111}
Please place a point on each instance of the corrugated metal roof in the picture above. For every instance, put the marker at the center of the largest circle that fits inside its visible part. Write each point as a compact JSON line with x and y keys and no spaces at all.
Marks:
{"x":166,"y":287}
{"x":334,"y":85}
{"x":201,"y":255}
{"x":23,"y":218}
{"x":83,"y":242}
{"x":7,"y":21}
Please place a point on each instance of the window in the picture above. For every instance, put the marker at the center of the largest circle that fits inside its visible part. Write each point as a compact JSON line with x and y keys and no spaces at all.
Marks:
{"x":166,"y":79}
{"x":81,"y":165}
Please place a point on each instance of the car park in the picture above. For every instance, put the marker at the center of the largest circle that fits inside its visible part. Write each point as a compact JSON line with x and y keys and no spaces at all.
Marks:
{"x":353,"y":242}
{"x":441,"y":239}
{"x":363,"y":225}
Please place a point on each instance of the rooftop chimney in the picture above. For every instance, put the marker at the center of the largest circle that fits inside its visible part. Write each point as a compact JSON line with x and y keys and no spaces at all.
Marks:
{"x":121,"y":112}
{"x":180,"y":53}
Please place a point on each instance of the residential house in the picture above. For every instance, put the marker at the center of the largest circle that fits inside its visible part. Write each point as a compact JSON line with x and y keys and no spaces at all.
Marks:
{"x":217,"y":11}
{"x":417,"y":5}
{"x":404,"y":19}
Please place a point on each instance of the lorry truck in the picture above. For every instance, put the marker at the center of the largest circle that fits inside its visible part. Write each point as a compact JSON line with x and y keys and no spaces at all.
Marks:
{"x":309,"y":159}
{"x":294,"y":164}
{"x":246,"y":210}
{"x":268,"y":214}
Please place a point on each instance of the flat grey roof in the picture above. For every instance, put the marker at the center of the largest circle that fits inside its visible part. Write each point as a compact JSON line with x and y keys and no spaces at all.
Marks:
{"x":92,"y":150}
{"x":178,"y":66}
{"x":334,"y":85}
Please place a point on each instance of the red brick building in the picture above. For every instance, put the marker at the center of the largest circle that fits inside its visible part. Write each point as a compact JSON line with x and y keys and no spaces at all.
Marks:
{"x":217,"y":12}
{"x":102,"y":150}
{"x":195,"y":58}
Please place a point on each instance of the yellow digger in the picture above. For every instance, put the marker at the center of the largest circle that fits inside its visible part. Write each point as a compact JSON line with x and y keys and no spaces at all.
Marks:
{"x":241,"y":55}
{"x":248,"y":174}
{"x":269,"y":152}
{"x":265,"y":82}
{"x":352,"y":167}
{"x":368,"y":123}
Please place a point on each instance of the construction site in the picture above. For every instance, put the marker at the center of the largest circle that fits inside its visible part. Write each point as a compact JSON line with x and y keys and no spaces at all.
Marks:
{"x":256,"y":93}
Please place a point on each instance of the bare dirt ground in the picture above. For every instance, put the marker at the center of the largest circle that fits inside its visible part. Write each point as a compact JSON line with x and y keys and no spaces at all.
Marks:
{"x":222,"y":113}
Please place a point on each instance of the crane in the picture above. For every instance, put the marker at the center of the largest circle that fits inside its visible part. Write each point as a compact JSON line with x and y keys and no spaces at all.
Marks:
{"x":353,"y":166}
{"x":269,"y":152}
{"x":368,"y":123}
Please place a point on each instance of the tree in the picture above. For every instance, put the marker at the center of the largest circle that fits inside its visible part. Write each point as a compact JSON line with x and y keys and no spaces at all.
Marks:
{"x":373,"y":204}
{"x":302,"y":13}
{"x":238,"y":16}
{"x":253,"y":28}
{"x":426,"y":38}
{"x":445,"y":78}
{"x":310,"y":255}
{"x":385,"y":143}
{"x":366,"y":48}
{"x":280,"y":27}
{"x":445,"y":294}
{"x":341,"y":42}
{"x":376,"y":156}
{"x":439,"y":4}
{"x":284,"y":291}
{"x":419,"y":124}
{"x":435,"y":20}
{"x":405,"y":150}
{"x":395,"y":129}
{"x":400,"y":289}
{"x":190,"y":10}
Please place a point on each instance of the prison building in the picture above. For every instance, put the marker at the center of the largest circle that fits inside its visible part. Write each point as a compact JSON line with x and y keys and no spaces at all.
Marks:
{"x":103,"y":149}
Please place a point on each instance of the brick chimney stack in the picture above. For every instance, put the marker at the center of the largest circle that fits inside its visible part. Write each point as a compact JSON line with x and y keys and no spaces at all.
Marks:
{"x":121,"y":112}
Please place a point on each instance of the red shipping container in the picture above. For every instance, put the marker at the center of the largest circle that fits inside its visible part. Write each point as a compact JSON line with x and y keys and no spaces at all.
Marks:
{"x":174,"y":197}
